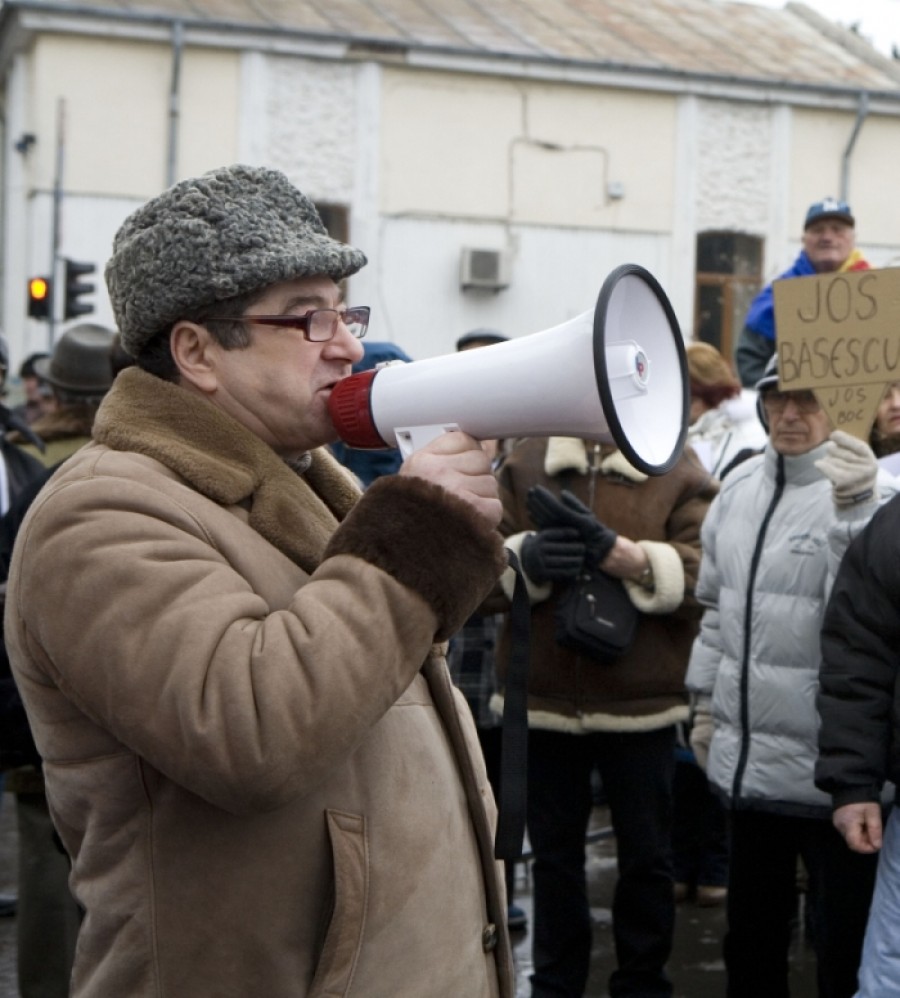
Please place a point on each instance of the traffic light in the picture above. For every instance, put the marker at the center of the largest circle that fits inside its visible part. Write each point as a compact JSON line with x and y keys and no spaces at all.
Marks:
{"x":75,"y":288}
{"x":40,"y":297}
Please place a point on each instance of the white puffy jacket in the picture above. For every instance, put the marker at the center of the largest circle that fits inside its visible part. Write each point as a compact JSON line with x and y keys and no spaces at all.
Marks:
{"x":720,"y":434}
{"x":772,"y":542}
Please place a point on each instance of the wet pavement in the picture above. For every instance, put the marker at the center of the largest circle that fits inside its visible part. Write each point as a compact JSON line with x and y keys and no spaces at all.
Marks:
{"x":696,"y":966}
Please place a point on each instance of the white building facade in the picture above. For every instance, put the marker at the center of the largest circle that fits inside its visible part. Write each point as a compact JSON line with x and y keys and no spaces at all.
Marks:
{"x":559,"y":169}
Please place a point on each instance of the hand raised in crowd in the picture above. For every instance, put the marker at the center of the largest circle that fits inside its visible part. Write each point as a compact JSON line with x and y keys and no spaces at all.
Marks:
{"x":568,"y":511}
{"x":852,"y":467}
{"x":860,"y":824}
{"x":457,"y":463}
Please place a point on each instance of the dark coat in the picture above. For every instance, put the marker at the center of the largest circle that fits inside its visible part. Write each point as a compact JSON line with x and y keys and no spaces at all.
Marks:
{"x":21,"y":467}
{"x":644,"y":689}
{"x":859,"y":695}
{"x":24,"y":475}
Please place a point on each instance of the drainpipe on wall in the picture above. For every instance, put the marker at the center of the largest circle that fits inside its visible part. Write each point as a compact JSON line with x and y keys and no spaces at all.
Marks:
{"x":861,"y":113}
{"x":56,"y":227}
{"x":174,"y":101}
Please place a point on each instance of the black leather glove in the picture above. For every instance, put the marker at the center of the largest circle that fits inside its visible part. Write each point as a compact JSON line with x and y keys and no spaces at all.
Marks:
{"x":553,"y":555}
{"x":569,"y":511}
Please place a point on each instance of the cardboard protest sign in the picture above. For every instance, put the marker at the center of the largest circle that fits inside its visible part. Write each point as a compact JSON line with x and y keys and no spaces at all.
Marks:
{"x":839,"y":335}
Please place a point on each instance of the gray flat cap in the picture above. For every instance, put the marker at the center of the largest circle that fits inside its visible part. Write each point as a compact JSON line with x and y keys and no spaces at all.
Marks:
{"x":232,"y":231}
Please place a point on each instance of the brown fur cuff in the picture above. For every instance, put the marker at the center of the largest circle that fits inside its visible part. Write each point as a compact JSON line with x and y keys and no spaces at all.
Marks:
{"x":427,"y":539}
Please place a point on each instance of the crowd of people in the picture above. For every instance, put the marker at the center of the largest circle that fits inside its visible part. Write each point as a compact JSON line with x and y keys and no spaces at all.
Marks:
{"x":257,"y":747}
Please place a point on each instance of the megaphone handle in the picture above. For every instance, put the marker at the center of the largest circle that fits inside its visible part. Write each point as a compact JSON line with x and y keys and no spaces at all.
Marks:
{"x":413,"y":438}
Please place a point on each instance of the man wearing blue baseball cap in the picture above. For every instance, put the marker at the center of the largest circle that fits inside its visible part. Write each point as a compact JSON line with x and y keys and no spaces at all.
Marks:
{"x":829,"y":244}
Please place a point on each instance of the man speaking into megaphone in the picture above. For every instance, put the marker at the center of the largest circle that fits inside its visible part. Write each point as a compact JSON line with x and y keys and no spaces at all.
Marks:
{"x":242,"y":706}
{"x":574,"y":507}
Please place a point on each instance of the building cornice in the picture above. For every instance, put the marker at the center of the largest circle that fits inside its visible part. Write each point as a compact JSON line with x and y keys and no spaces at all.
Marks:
{"x":21,"y":21}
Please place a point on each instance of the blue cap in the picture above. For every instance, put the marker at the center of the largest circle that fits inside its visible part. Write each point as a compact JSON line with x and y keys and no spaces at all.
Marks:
{"x":481,"y":338}
{"x":377,"y":352}
{"x":829,"y":208}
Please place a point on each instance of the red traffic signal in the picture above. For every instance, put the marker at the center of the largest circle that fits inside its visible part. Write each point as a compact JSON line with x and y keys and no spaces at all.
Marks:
{"x":40,"y":297}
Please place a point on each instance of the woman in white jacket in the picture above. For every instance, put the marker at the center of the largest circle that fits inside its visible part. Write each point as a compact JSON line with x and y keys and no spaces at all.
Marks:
{"x":723,"y":418}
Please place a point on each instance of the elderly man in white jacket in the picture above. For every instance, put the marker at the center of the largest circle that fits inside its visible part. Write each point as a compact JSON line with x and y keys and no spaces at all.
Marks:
{"x":771,"y":544}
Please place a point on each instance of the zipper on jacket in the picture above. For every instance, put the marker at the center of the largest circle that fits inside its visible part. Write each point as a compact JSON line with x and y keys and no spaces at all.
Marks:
{"x":723,"y":450}
{"x":748,"y":614}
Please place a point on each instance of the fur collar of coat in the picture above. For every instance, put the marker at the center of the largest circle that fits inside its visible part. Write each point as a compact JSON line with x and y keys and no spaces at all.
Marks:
{"x":570,"y":454}
{"x":420,"y":534}
{"x":227,"y":463}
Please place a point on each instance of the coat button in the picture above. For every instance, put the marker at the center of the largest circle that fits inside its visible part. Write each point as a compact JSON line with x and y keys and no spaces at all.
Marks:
{"x":489,"y":937}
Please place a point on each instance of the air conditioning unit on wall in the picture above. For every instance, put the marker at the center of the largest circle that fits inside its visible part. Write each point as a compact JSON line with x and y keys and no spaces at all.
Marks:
{"x":484,"y":268}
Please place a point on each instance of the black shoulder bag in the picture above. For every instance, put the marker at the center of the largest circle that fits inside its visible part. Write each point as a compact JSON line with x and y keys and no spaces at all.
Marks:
{"x":596,"y":617}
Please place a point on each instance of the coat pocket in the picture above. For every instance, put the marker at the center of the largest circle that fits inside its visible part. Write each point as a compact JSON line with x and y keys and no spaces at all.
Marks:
{"x":343,"y":940}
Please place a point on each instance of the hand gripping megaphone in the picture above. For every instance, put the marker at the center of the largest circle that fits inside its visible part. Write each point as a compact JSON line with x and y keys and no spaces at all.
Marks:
{"x":616,"y":374}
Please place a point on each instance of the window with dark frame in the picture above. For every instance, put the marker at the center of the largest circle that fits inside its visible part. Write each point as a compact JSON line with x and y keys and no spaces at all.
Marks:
{"x":336,"y":219}
{"x":728,"y":275}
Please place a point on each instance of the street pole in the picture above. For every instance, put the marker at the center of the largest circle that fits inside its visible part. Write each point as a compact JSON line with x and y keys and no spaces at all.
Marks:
{"x":56,"y":233}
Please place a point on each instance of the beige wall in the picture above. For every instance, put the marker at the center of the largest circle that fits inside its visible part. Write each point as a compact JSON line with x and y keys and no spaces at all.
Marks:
{"x":210,"y":95}
{"x":116,"y":113}
{"x":533,"y":153}
{"x":819,"y":140}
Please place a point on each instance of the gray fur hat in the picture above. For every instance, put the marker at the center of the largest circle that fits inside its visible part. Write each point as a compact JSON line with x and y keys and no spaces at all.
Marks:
{"x":233,"y":230}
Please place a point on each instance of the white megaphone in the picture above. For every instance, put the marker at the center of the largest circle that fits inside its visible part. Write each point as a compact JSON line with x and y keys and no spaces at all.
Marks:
{"x":617,"y":374}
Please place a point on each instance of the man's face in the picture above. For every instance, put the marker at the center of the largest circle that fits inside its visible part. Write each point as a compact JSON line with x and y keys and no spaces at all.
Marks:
{"x":279,"y":386}
{"x":797,"y":423}
{"x":828,"y":243}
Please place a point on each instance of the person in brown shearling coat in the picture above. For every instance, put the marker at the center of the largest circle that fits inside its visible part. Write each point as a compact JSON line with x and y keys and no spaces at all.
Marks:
{"x":232,"y":661}
{"x":618,"y":717}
